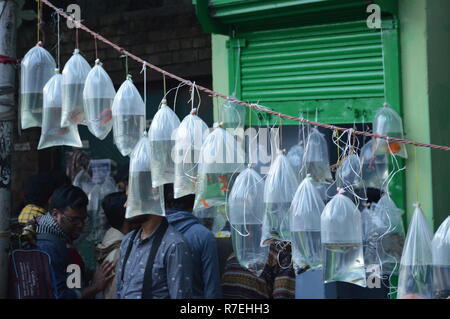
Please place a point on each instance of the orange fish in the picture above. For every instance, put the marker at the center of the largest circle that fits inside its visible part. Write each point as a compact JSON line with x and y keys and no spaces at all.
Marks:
{"x":205,"y":204}
{"x":105,"y":116}
{"x":394,"y":147}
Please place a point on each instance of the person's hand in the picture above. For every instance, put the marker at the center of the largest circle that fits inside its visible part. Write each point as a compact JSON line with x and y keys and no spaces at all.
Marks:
{"x":103,"y":275}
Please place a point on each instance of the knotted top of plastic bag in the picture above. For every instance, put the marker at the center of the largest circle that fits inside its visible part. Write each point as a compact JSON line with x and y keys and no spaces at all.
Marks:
{"x":243,"y":203}
{"x":40,"y":66}
{"x":441,"y":244}
{"x":140,"y":156}
{"x":306,"y":207}
{"x":191,"y":132}
{"x":417,"y":248}
{"x":281,"y":182}
{"x":76,"y":69}
{"x":164,"y":124}
{"x":128,"y":101}
{"x":98,"y":84}
{"x":52,"y":91}
{"x":341,"y":221}
{"x":220,"y":153}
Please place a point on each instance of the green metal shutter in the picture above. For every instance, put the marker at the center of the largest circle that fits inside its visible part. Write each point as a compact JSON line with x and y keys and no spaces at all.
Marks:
{"x":336,"y":69}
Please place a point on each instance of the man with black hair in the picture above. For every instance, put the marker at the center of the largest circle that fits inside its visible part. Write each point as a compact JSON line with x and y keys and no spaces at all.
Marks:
{"x":37,"y":190}
{"x":55,"y":232}
{"x":206,"y":281}
{"x":109,"y":248}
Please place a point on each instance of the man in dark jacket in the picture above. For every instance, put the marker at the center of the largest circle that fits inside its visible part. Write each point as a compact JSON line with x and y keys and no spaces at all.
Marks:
{"x":55,"y":232}
{"x":206,"y":281}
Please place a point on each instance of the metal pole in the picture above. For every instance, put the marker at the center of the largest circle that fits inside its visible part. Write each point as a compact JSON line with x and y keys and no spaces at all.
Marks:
{"x":7,"y":115}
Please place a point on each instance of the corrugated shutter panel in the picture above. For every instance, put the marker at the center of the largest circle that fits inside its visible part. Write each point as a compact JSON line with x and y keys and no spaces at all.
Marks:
{"x":331,"y":61}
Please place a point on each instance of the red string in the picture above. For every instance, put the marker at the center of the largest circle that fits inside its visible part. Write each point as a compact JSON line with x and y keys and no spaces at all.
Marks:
{"x":253,"y":106}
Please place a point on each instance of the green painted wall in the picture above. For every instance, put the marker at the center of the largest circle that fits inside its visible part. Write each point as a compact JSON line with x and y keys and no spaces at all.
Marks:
{"x":413,"y":39}
{"x":425,"y":52}
{"x":219,"y":68}
{"x":438,"y":50}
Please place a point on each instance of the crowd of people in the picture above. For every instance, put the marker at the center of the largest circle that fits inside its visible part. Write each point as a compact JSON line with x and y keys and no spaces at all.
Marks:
{"x":147,"y":256}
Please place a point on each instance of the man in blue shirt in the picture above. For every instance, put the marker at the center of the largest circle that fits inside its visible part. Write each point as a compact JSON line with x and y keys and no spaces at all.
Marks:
{"x":155,"y":262}
{"x":55,"y":232}
{"x":206,"y":281}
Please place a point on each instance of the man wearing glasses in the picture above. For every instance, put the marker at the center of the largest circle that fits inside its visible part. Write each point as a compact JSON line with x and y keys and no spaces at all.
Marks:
{"x":55,"y":233}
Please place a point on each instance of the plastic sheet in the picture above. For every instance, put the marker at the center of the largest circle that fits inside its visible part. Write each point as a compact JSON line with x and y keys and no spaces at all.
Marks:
{"x":143,"y":198}
{"x":374,"y":168}
{"x":98,"y":96}
{"x":279,"y":189}
{"x":305,"y":212}
{"x":416,"y":266}
{"x":441,"y":261}
{"x":73,"y":78}
{"x":341,"y":235}
{"x":128,"y":113}
{"x":316,"y":159}
{"x":161,"y":135}
{"x":246,"y":214}
{"x":36,"y":68}
{"x":190,"y":136}
{"x":388,"y":123}
{"x":52,"y":134}
{"x":221,"y":159}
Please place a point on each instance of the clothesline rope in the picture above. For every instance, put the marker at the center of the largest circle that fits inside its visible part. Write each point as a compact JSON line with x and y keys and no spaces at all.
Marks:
{"x":234,"y":100}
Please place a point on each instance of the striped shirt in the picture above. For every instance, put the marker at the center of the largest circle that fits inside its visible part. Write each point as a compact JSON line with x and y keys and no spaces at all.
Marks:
{"x":277,"y":280}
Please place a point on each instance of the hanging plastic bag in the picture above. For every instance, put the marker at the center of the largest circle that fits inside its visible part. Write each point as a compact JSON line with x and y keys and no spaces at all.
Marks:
{"x":388,"y":123}
{"x":416,"y":266}
{"x":74,"y":76}
{"x":374,"y":168}
{"x":233,"y":115}
{"x":36,"y":68}
{"x":279,"y":189}
{"x":221,"y":159}
{"x":341,"y":234}
{"x":143,"y":198}
{"x":246,"y":214}
{"x":98,"y":97}
{"x":52,"y":133}
{"x":348,"y":175}
{"x":189,"y":139}
{"x":97,"y":218}
{"x":128,"y":113}
{"x":161,"y":135}
{"x":316,"y":159}
{"x":295,"y":157}
{"x":84,"y":181}
{"x":441,"y":261}
{"x":305,"y":212}
{"x":389,"y":233}
{"x":370,"y":238}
